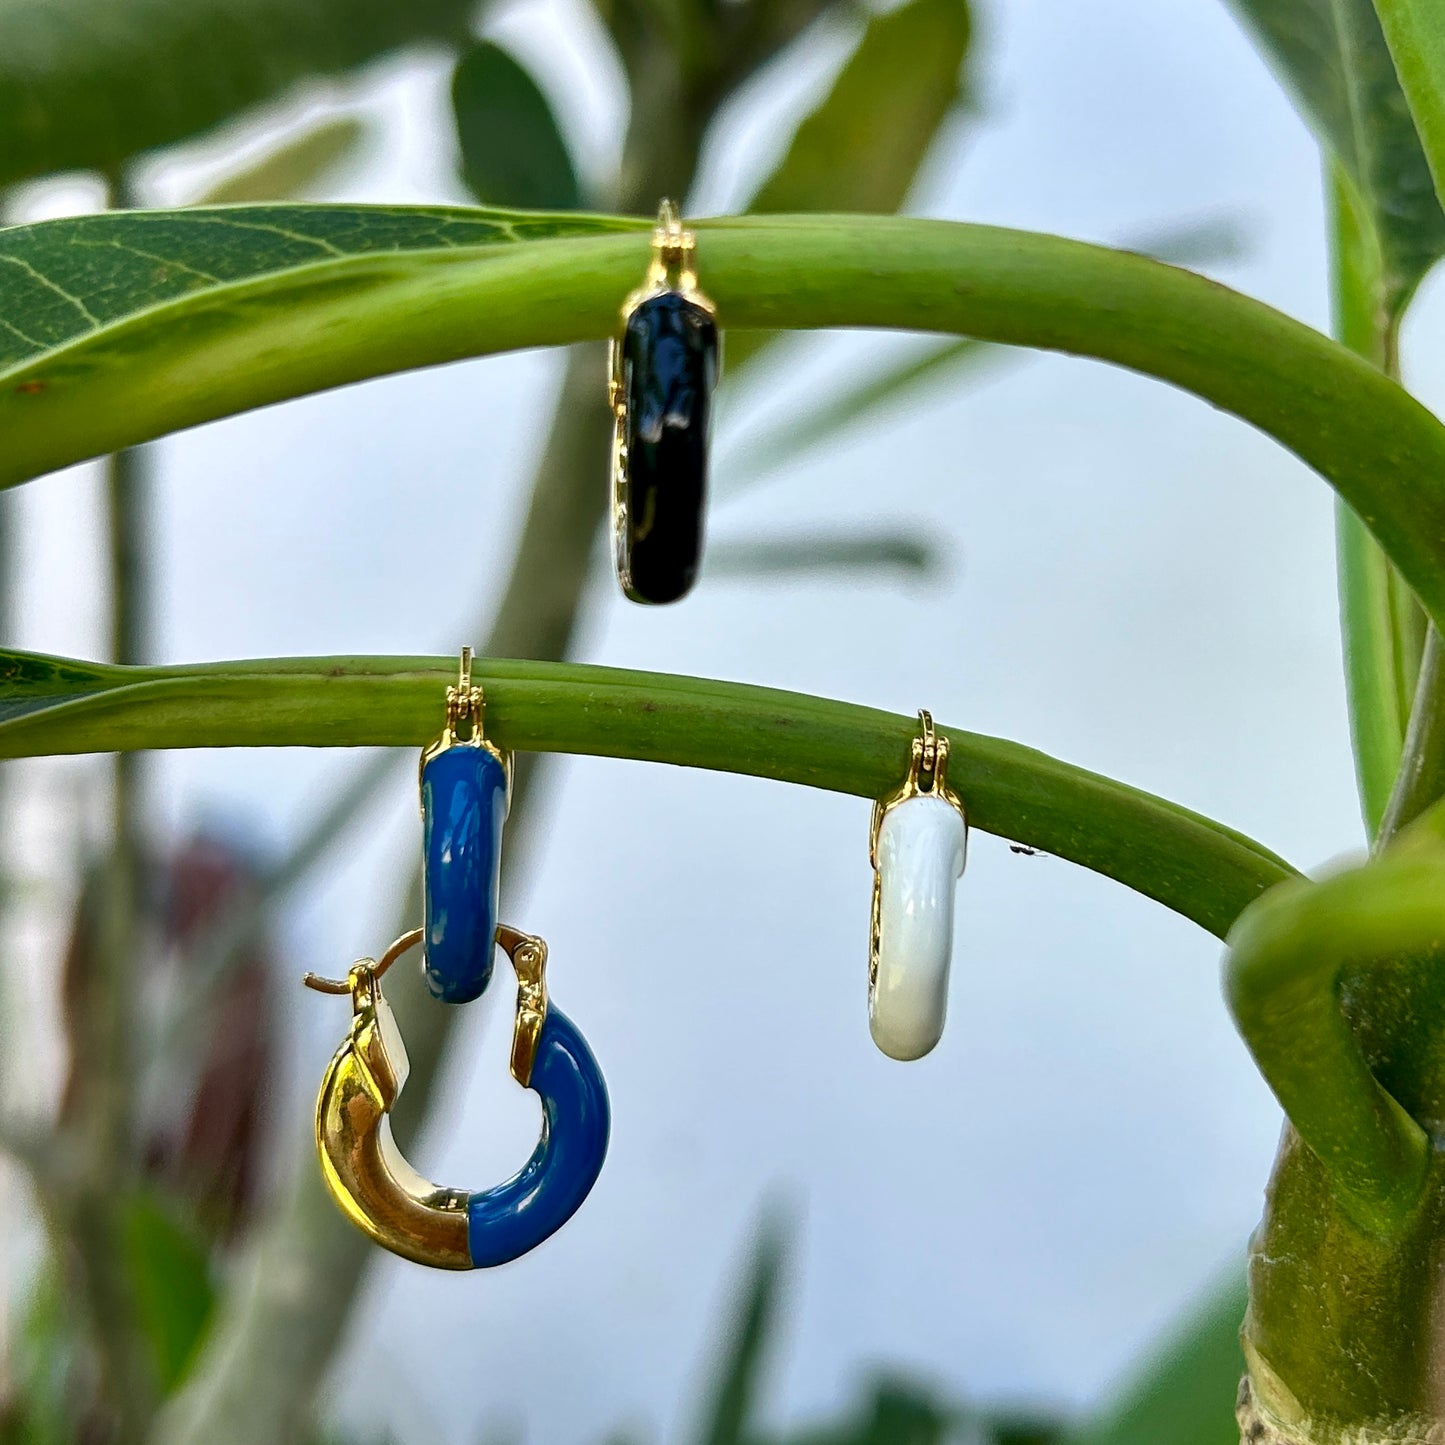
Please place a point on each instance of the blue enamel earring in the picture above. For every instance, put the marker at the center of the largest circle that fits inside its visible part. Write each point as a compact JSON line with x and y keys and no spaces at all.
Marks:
{"x":464,"y":783}
{"x":918,"y":847}
{"x":465,"y":793}
{"x":664,"y":364}
{"x":455,"y":1228}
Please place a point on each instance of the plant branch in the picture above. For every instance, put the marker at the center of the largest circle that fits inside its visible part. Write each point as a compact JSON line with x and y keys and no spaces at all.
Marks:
{"x":1382,"y":627}
{"x":1199,"y":868}
{"x":1282,"y":980}
{"x":215,"y":350}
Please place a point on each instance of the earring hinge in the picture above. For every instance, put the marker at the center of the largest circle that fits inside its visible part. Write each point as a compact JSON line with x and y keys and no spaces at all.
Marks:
{"x":927,"y":776}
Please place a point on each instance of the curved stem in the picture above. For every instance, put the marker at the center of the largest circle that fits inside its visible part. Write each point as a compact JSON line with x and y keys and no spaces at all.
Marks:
{"x":1421,"y":778}
{"x":1199,"y":868}
{"x":1282,"y":980}
{"x":222,"y":348}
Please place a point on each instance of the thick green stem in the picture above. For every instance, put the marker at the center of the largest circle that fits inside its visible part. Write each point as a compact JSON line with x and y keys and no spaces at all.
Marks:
{"x":343,"y":317}
{"x":1337,"y":990}
{"x":1282,"y":979}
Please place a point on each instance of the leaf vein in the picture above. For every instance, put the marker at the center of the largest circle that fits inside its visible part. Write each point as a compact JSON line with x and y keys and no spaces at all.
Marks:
{"x":50,"y":285}
{"x":150,"y":256}
{"x":265,"y":226}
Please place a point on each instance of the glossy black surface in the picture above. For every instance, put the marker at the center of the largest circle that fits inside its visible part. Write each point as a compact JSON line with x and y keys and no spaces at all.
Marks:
{"x":669,"y":370}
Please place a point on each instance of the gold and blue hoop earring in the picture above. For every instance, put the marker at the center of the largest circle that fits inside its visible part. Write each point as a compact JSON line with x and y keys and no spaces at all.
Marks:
{"x":466,"y":785}
{"x":918,"y":845}
{"x":664,"y":364}
{"x":455,"y":1228}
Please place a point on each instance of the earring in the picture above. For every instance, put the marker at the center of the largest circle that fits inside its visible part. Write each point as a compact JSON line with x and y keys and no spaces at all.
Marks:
{"x":918,"y":847}
{"x":466,"y":786}
{"x":453,"y":1228}
{"x":664,"y":364}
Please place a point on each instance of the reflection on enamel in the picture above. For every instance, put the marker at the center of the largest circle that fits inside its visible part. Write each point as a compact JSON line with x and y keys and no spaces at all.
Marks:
{"x":921,"y":848}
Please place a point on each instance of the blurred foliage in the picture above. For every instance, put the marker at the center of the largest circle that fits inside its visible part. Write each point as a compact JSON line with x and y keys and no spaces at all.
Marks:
{"x":88,"y":84}
{"x":512,"y":150}
{"x":171,"y":1267}
{"x":1183,"y":1395}
{"x":301,"y":161}
{"x":862,"y":146}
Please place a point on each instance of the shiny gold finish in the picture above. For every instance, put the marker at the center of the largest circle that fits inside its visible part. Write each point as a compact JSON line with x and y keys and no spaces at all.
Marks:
{"x":404,"y":944}
{"x":927,"y":776}
{"x":673,"y":268}
{"x":375,"y":1187}
{"x":466,"y":704}
{"x":529,"y":958}
{"x":364,"y":1170}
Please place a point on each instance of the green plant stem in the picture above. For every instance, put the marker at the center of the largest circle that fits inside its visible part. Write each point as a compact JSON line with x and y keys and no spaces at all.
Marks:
{"x":1381,"y":624}
{"x":1282,"y":977}
{"x":1202,"y":870}
{"x":1395,"y":681}
{"x":1420,"y":781}
{"x":222,"y":349}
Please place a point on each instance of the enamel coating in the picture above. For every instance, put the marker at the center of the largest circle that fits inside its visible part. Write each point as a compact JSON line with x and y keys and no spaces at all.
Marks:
{"x":464,"y":804}
{"x":922,"y":843}
{"x":669,"y":370}
{"x":506,"y":1222}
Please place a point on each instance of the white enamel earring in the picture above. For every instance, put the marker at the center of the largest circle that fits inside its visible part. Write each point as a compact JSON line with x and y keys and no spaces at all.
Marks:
{"x":919,"y":844}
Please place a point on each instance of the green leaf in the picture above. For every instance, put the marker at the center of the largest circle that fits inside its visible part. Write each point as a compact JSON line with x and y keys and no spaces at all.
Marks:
{"x":861,"y":149}
{"x":1333,"y":57}
{"x":293,"y":167}
{"x":1197,"y":867}
{"x":87,"y":84}
{"x":122,"y":327}
{"x":170,"y":1271}
{"x":745,"y":1354}
{"x":1415,"y":30}
{"x":513,"y":151}
{"x":1185,"y":1394}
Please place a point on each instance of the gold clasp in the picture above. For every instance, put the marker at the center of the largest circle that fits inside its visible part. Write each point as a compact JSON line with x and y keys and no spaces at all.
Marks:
{"x":673,"y":268}
{"x":529,"y":958}
{"x":365,"y":973}
{"x":927,"y":775}
{"x":466,"y":704}
{"x":674,"y":252}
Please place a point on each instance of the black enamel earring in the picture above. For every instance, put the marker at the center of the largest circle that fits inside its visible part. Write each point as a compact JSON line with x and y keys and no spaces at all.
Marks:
{"x":664,"y":364}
